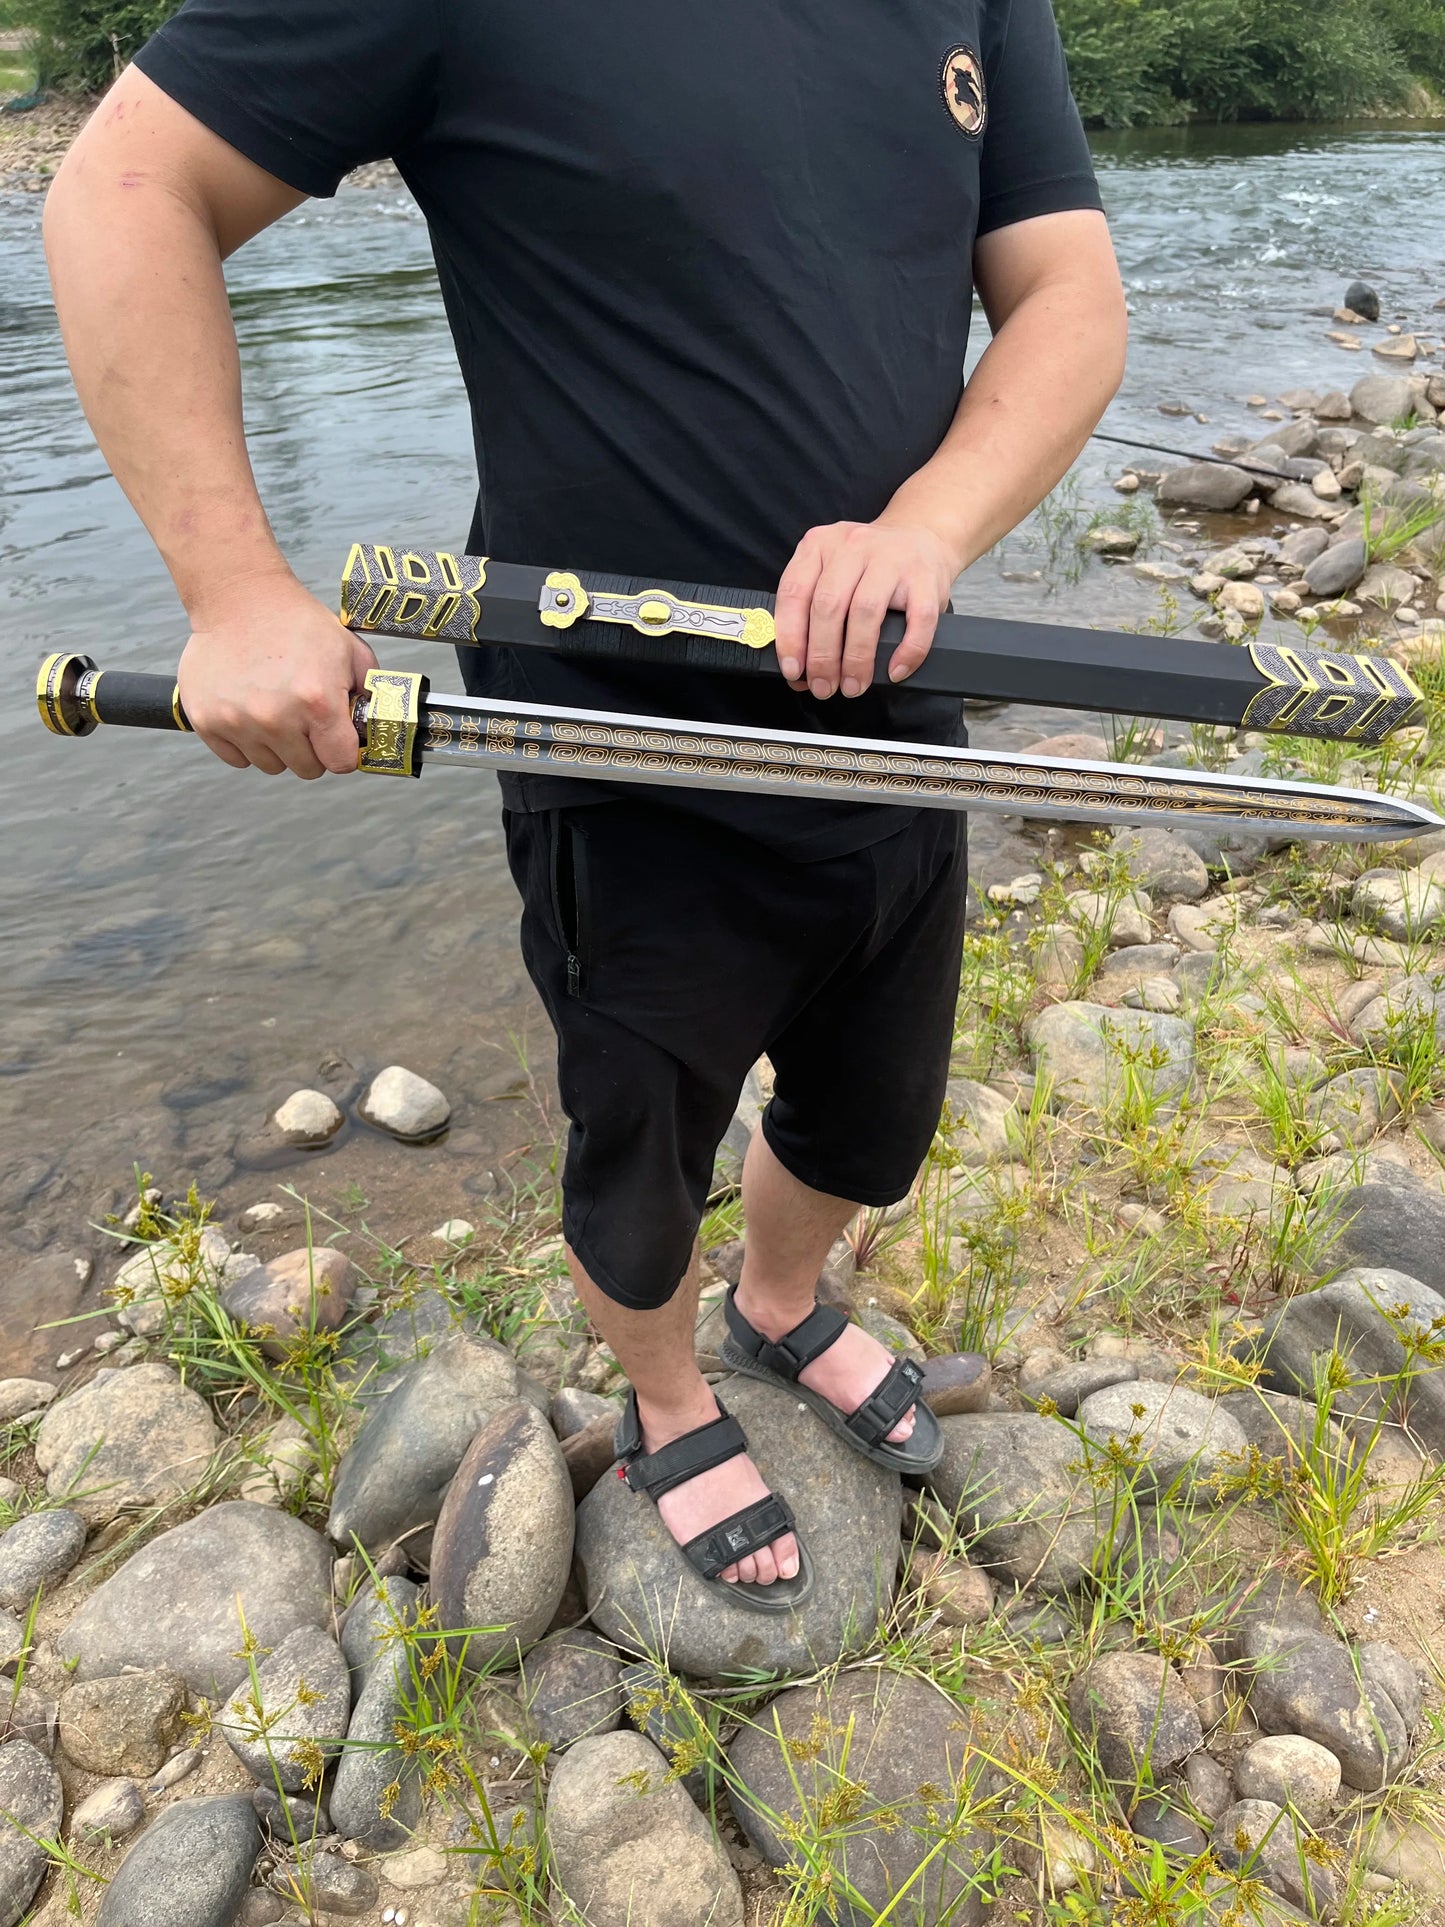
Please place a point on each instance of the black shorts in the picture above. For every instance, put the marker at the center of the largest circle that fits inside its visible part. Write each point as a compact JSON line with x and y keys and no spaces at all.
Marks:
{"x":671,"y":953}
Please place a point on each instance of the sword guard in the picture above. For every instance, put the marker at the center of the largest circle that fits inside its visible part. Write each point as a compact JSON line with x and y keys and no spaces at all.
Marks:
{"x":388,"y":720}
{"x":652,"y":612}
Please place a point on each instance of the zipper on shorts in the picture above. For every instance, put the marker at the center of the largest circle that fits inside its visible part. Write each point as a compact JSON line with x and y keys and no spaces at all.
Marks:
{"x":569,"y":900}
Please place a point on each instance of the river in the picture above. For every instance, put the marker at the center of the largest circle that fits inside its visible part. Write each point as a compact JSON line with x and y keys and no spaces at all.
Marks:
{"x":180,"y":945}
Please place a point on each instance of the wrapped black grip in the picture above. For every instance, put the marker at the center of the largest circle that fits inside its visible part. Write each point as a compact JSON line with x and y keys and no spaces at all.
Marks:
{"x":133,"y":701}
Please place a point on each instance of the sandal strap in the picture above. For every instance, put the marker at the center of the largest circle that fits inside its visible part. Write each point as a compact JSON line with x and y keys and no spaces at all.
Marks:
{"x":886,"y":1404}
{"x":682,"y":1459}
{"x":733,"y":1538}
{"x":788,"y":1355}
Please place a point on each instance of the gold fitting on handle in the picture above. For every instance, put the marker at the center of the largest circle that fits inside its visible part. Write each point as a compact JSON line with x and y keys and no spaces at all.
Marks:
{"x":393,"y":717}
{"x":563,"y":600}
{"x":58,"y":694}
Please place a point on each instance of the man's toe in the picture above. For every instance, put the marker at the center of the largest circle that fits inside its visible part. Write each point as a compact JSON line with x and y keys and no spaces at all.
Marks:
{"x":785,"y":1551}
{"x":902,"y":1430}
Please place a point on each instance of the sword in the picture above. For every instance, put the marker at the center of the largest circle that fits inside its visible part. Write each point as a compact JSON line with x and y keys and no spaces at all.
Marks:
{"x":435,"y":596}
{"x":401,"y":726}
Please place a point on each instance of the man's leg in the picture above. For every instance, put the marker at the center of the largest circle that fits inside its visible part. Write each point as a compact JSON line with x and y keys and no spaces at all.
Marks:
{"x":790,"y":1231}
{"x":656,"y":1350}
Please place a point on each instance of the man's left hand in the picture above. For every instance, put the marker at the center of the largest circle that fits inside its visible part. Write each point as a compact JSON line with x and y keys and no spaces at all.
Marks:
{"x":842,"y":581}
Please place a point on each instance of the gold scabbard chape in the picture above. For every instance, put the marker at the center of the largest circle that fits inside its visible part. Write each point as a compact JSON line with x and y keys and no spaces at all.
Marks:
{"x":1362,"y":699}
{"x":391,"y":715}
{"x":427,"y":593}
{"x":652,"y":612}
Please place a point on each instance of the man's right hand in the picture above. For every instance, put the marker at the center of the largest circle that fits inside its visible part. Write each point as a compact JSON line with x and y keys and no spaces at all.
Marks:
{"x":267,"y":680}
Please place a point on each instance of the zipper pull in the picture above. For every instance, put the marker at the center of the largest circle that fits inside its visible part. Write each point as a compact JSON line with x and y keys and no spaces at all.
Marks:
{"x":574,"y":975}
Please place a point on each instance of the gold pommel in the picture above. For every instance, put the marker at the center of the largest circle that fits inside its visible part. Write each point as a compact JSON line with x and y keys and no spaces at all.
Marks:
{"x":60,"y":690}
{"x":392,"y":716}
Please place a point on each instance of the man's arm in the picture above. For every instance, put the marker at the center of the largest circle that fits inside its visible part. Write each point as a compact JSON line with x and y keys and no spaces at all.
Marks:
{"x":1051,"y":290}
{"x":141,"y":215}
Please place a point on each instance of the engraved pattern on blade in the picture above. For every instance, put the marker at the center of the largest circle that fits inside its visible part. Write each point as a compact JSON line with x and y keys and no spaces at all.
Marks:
{"x":426,"y":593}
{"x":1360,"y":699}
{"x":652,"y":612}
{"x":391,"y":716}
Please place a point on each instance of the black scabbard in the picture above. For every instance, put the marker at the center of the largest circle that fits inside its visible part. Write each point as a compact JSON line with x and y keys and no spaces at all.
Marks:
{"x":433,"y":595}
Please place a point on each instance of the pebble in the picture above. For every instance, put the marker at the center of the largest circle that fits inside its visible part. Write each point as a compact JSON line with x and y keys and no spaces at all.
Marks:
{"x":572,"y":1687}
{"x":1065,"y":1385}
{"x":1108,"y":540}
{"x":361,"y":1803}
{"x":1209,"y":1784}
{"x":180,"y":1766}
{"x":1016,"y":1481}
{"x":957,"y":1382}
{"x":1164,"y":863}
{"x":32,"y":1801}
{"x":1244,"y":598}
{"x":300,"y":1292}
{"x":329,"y":1883}
{"x":1262,"y":1839}
{"x":455,"y":1231}
{"x":35,"y":1552}
{"x":307,"y":1118}
{"x":961,"y":1594}
{"x":123,"y":1725}
{"x":112,"y":1812}
{"x":21,"y":1396}
{"x":399,"y":1101}
{"x":1125,"y":918}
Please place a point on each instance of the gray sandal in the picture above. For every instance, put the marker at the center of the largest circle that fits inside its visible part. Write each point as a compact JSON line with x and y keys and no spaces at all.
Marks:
{"x":731,"y":1539}
{"x":866,"y":1428}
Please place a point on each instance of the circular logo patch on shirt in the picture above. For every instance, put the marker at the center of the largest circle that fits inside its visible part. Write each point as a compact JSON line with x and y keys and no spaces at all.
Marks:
{"x":964,"y":95}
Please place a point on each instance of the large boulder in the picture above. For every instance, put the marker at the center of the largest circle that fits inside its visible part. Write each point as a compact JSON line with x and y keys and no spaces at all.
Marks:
{"x":629,"y":1848}
{"x":1017,"y":1482}
{"x":1205,"y":485}
{"x":642,"y":1594}
{"x":396,"y":1474}
{"x":128,"y":1438}
{"x":190,"y":1868}
{"x":903,"y":1741}
{"x":502,"y":1550}
{"x":178,"y":1601}
{"x":1085,"y":1052}
{"x":1389,"y":1228}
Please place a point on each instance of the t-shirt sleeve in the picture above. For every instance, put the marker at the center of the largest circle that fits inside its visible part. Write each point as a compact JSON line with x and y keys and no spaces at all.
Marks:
{"x":308,"y":89}
{"x":1034,"y":157}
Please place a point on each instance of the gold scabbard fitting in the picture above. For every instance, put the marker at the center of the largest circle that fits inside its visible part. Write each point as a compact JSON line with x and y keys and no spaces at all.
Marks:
{"x":652,"y":612}
{"x":392,"y":719}
{"x":1358,"y":699}
{"x":60,"y":694}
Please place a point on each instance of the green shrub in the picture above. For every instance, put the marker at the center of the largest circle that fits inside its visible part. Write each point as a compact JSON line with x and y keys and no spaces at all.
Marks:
{"x":81,"y":44}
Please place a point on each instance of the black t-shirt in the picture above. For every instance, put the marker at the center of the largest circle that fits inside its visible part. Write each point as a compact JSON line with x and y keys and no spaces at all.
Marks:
{"x":708,"y":269}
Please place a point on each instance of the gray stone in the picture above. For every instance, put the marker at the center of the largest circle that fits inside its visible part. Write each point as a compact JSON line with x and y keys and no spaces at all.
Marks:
{"x":1136,"y":964}
{"x":1155,"y":1818}
{"x":329,"y":1883}
{"x":396,"y":1473}
{"x":1385,"y":586}
{"x":1298,"y":498}
{"x":1278,"y":1424}
{"x":1180,"y":1437}
{"x":376,"y":1796}
{"x":175,"y":1602}
{"x":31,"y":1803}
{"x":398,"y":1101}
{"x":1382,"y":398}
{"x":292,"y":1718}
{"x":31,"y":1715}
{"x":130,"y":1437}
{"x":1301,"y":547}
{"x":1208,"y":1784}
{"x":126,"y":1724}
{"x":658,"y":1705}
{"x":1261,"y":1839}
{"x":1337,"y":568}
{"x":1074,"y":1381}
{"x":1124,"y":918}
{"x":1016,"y":1481}
{"x":1307,"y":1683}
{"x":1364,"y":1315}
{"x":1205,"y":485}
{"x":1137,"y":1714}
{"x":978,"y":1120}
{"x":572,"y":1411}
{"x":572,"y":1687}
{"x":629,"y":1848}
{"x":112,"y":1812}
{"x":1401,"y":904}
{"x":1289,"y":1771}
{"x":290,"y":1818}
{"x":1385,"y":1670}
{"x":300,"y":1292}
{"x":34,"y":1552}
{"x":903,"y":1739}
{"x":957,"y":1382}
{"x":1081,"y":1048}
{"x":190,"y":1868}
{"x":639,"y":1588}
{"x":382,"y":1612}
{"x":19,"y":1396}
{"x":960,"y":1594}
{"x":307,"y":1118}
{"x":1355,"y":1106}
{"x":502,"y":1550}
{"x":555,"y":1341}
{"x":1236,"y":1182}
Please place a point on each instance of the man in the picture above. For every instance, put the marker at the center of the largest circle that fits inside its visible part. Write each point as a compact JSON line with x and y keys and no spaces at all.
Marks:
{"x":710,"y":273}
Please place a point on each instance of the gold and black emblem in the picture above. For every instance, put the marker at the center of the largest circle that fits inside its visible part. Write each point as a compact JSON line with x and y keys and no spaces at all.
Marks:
{"x":964,"y":93}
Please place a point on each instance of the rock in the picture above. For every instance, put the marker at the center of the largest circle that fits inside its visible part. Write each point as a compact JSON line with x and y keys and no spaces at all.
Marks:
{"x":123,"y":1725}
{"x":590,"y":1454}
{"x":112,"y":1812}
{"x":978,"y":1120}
{"x":418,"y":1868}
{"x":1074,"y":1380}
{"x":1125,"y":917}
{"x":1261,"y":1839}
{"x":1079,"y":1048}
{"x":904,"y":1739}
{"x":572,"y":1411}
{"x":1364,"y":1314}
{"x":1337,"y":568}
{"x":1110,"y":541}
{"x":37,"y":1549}
{"x":961,"y":1594}
{"x":629,"y":1848}
{"x":572,"y":1687}
{"x":304,"y":1693}
{"x":130,"y":1437}
{"x":1362,"y":300}
{"x":307,"y":1118}
{"x":556,"y":1340}
{"x":399,"y":1101}
{"x":1289,"y":1771}
{"x":1382,"y":399}
{"x":1386,"y":587}
{"x":1246,"y":600}
{"x":1073,"y":745}
{"x":502,"y":1550}
{"x":20,"y":1396}
{"x":1355,"y":1106}
{"x":1209,"y":1784}
{"x":1278,"y":1425}
{"x":159,"y":1275}
{"x":1231,"y":565}
{"x":1387,"y":1671}
{"x":1134,"y":1710}
{"x":1155,"y":1818}
{"x":848,"y":1512}
{"x":331,"y":1884}
{"x":728,"y":1165}
{"x":1059,"y":960}
{"x":303,"y":1291}
{"x":1298,"y":498}
{"x":1401,"y":904}
{"x":175,"y":1602}
{"x":1301,"y":547}
{"x":1236,"y":1182}
{"x":396,"y":1473}
{"x":957,"y":1382}
{"x":376,"y":1796}
{"x":32,"y":1802}
{"x":1017,"y":1482}
{"x":1306,"y":1684}
{"x":1410,"y":1851}
{"x":382,"y":1611}
{"x":190,"y":1868}
{"x":1327,"y":485}
{"x":1181,"y":1438}
{"x":1205,"y":485}
{"x":1164,"y":863}
{"x":1136,"y":965}
{"x":1396,"y":348}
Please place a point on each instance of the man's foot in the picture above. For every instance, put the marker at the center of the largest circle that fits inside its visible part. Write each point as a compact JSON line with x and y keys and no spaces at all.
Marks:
{"x":853,"y":1366}
{"x":713,"y":1496}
